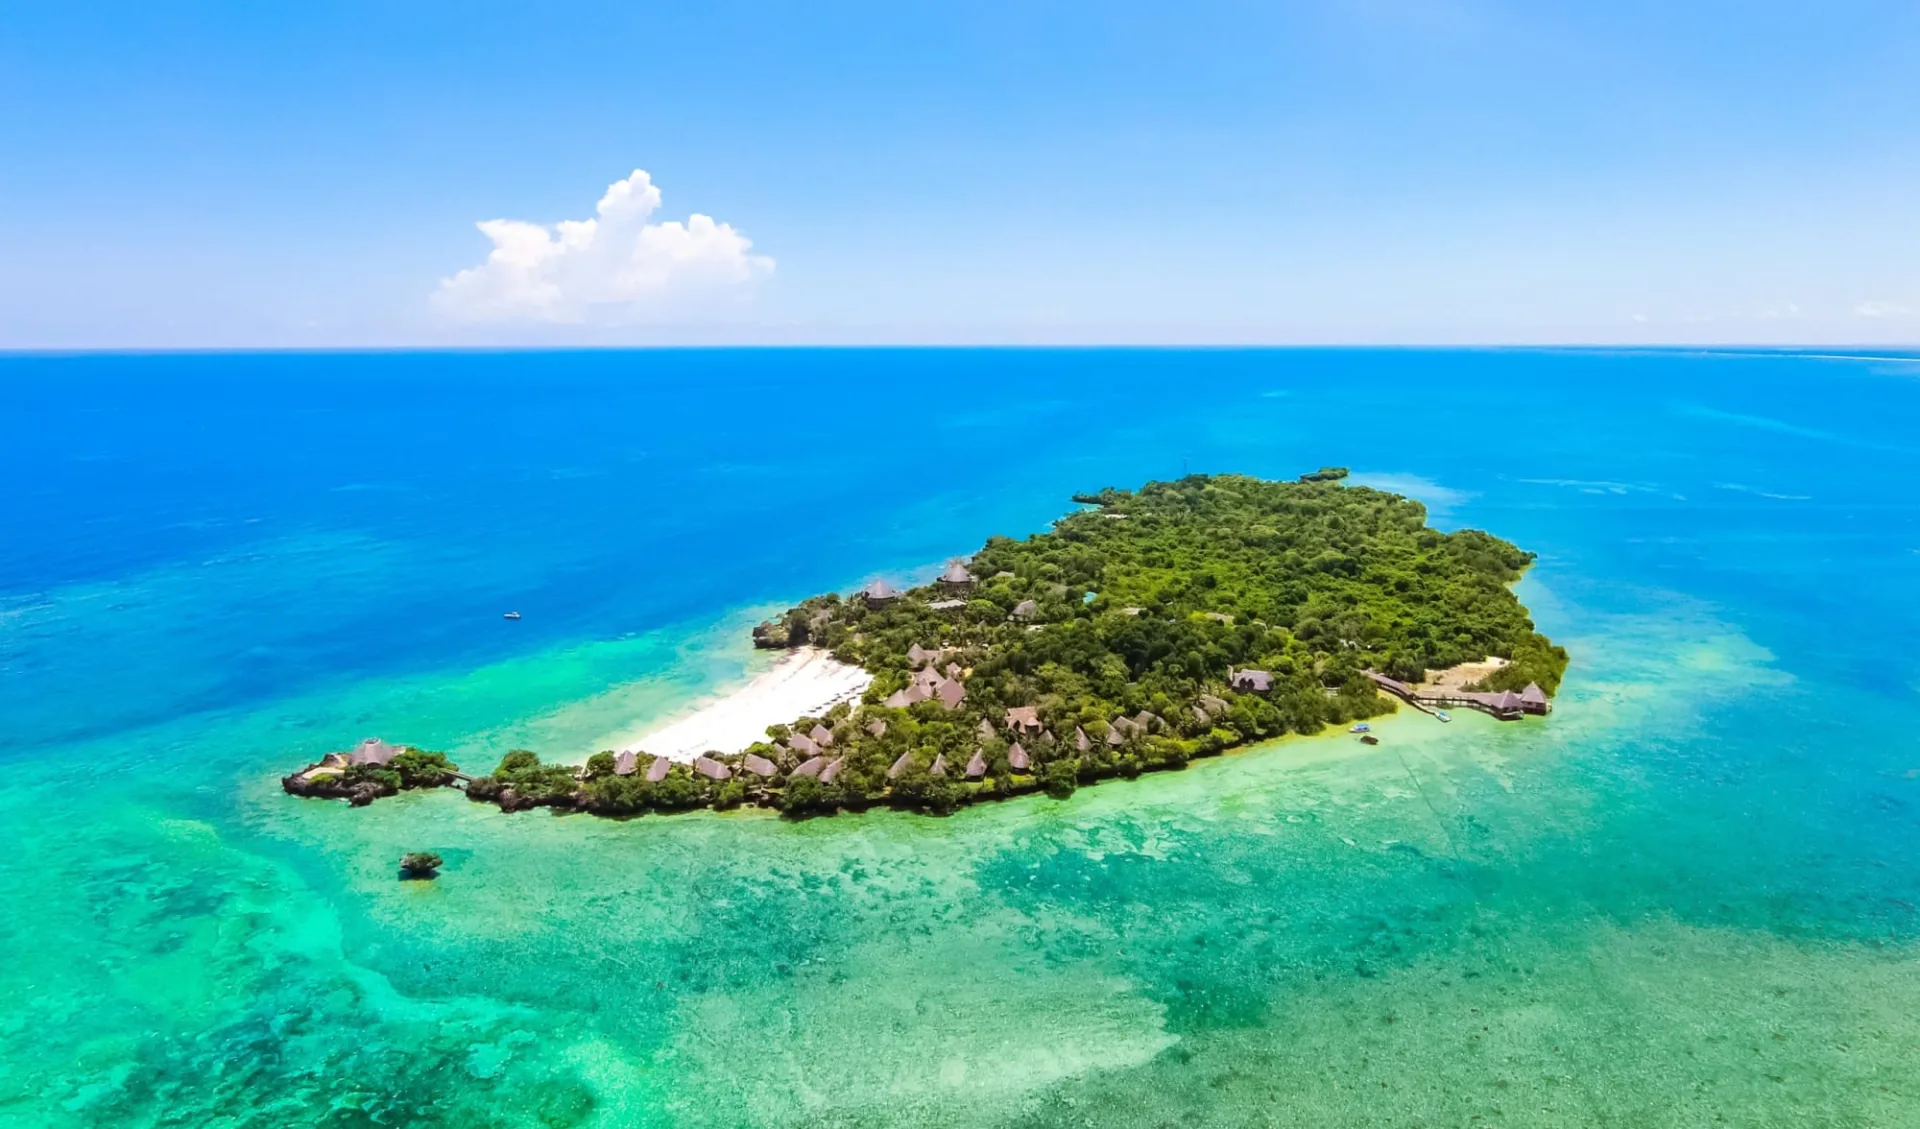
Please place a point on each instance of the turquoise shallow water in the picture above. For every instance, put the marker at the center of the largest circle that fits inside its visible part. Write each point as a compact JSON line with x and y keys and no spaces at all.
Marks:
{"x":1687,"y":898}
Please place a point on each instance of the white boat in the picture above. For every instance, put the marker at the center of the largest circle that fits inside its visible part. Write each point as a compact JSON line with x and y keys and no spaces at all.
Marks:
{"x":1361,"y":727}
{"x":1442,"y":715}
{"x":511,"y":615}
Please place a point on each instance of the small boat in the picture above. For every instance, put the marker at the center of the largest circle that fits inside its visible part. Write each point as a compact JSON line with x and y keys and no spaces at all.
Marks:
{"x":511,"y":615}
{"x":1369,"y":739}
{"x":1442,"y":715}
{"x":1360,"y":727}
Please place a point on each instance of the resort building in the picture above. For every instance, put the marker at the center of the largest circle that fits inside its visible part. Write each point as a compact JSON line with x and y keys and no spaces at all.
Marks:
{"x":711,"y":769}
{"x":373,"y":751}
{"x":879,"y":594}
{"x":1506,"y":705}
{"x":1250,"y":681}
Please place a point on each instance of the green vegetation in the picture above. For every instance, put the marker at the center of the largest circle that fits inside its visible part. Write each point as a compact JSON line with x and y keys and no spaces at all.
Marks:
{"x":521,"y":780}
{"x":1131,"y":615}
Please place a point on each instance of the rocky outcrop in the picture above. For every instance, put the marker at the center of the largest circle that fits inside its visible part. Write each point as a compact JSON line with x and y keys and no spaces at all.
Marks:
{"x":359,"y":793}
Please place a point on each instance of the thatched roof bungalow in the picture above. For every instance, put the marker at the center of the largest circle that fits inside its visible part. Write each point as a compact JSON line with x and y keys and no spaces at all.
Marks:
{"x":759,"y":766}
{"x":977,"y":767}
{"x":626,"y":764}
{"x":950,"y":693}
{"x":657,"y":771}
{"x":1023,"y":719}
{"x":1250,"y":681}
{"x":711,"y":769}
{"x":1017,"y":758}
{"x":374,"y":751}
{"x":811,"y":766}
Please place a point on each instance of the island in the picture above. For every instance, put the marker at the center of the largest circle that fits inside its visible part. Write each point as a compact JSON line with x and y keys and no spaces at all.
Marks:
{"x":1143,"y":630}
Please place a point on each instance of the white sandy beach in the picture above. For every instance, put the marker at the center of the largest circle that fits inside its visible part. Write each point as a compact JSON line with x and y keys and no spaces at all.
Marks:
{"x":805,"y":682}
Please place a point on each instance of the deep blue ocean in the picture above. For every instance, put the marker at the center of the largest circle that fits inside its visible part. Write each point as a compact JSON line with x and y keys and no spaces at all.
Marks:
{"x":1703,"y":870}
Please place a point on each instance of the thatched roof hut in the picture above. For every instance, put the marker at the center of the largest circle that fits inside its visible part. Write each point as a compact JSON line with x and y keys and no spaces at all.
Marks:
{"x":977,"y":767}
{"x":758,"y":765}
{"x":657,"y":771}
{"x":1251,"y":681}
{"x":879,"y":592}
{"x":939,"y":766}
{"x":951,"y":693}
{"x":1023,"y":718}
{"x":711,"y":769}
{"x":821,"y":736}
{"x":626,"y":764}
{"x":811,"y":766}
{"x":1017,"y":758}
{"x":833,"y":770}
{"x":374,"y":751}
{"x":900,"y":765}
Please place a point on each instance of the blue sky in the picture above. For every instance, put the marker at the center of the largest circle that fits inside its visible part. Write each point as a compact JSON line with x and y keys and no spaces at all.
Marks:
{"x":1347,"y":171}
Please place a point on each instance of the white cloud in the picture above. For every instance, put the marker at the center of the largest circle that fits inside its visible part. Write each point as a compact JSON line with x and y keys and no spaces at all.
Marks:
{"x":1881,"y":310}
{"x":615,"y":267}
